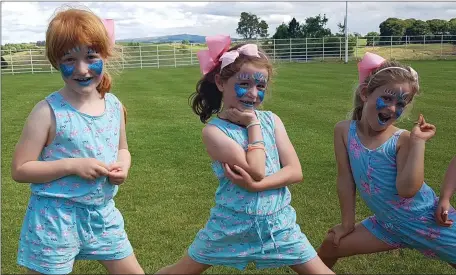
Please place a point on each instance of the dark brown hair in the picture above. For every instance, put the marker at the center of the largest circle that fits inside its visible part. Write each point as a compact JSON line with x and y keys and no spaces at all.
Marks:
{"x":207,"y":100}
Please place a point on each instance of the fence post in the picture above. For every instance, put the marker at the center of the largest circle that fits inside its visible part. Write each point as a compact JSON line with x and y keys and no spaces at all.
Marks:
{"x":441,"y":46}
{"x":340,"y":48}
{"x":140,"y":56}
{"x":274,"y":52}
{"x":191,"y":53}
{"x":174,"y":48}
{"x":424,"y":41}
{"x":356,"y":48}
{"x":31,"y":60}
{"x":391,"y":47}
{"x":158,"y":58}
{"x":290,"y":49}
{"x":306,"y":49}
{"x":12,"y":64}
{"x":323,"y":39}
{"x":123,"y":59}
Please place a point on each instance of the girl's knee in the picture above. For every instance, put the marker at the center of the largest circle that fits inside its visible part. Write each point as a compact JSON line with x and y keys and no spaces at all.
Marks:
{"x":327,"y":248}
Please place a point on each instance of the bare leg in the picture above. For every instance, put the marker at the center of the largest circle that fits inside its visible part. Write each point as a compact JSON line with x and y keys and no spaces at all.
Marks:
{"x":128,"y":265}
{"x":186,"y":265}
{"x":360,"y":241}
{"x":314,"y":266}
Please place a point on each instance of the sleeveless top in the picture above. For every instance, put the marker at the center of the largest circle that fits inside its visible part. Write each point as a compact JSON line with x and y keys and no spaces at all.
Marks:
{"x":230,"y":195}
{"x":374,"y":173}
{"x":80,"y":135}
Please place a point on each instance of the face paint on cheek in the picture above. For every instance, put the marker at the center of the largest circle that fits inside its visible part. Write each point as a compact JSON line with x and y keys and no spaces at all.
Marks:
{"x":380,"y":104}
{"x":261,"y":95}
{"x":399,"y":112}
{"x":97,"y":67}
{"x":240,"y":92}
{"x":67,"y":70}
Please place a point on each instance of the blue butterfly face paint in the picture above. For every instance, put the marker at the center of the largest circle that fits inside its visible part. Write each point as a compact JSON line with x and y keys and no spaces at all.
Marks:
{"x":392,"y":98}
{"x":97,"y":66}
{"x":67,"y":70}
{"x":89,"y":58}
{"x":247,"y":81}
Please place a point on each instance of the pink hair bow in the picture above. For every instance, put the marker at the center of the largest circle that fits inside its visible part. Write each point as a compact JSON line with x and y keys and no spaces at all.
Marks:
{"x":109,"y":25}
{"x":217,"y":45}
{"x":369,"y":63}
{"x":229,"y":57}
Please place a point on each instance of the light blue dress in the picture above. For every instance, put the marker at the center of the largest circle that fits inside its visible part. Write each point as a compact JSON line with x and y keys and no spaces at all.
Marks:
{"x":400,"y":222}
{"x":248,"y":226}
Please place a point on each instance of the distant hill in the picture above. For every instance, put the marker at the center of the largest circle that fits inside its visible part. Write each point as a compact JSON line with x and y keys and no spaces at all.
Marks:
{"x":167,"y":39}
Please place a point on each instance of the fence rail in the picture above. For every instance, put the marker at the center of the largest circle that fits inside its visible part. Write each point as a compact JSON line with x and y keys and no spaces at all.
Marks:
{"x":279,"y":50}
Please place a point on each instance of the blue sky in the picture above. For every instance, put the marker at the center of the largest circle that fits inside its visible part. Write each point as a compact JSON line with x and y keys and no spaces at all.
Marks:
{"x":27,"y":21}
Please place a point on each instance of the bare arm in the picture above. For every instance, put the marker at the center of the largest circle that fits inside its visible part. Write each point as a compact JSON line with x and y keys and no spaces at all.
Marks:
{"x":124,"y":155}
{"x":222,"y":148}
{"x":25,"y":166}
{"x":449,"y":183}
{"x":290,"y":172}
{"x":345,"y":184}
{"x":410,"y":165}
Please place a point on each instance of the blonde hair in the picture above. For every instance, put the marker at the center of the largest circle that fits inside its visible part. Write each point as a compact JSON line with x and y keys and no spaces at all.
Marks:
{"x":77,"y":26}
{"x":389,"y":71}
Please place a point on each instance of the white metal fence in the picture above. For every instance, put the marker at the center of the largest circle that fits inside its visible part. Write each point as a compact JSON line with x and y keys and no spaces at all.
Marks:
{"x":279,"y":50}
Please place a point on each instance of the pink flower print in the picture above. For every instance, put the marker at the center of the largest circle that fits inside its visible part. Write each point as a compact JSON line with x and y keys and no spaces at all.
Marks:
{"x":402,"y":203}
{"x":51,"y":234}
{"x":60,"y":133}
{"x":59,"y":115}
{"x":241,"y":197}
{"x":87,"y":130}
{"x":43,"y":211}
{"x":47,"y":185}
{"x":75,"y":185}
{"x":429,"y":253}
{"x":93,"y":252}
{"x":369,"y":172}
{"x":70,"y":115}
{"x":303,"y":247}
{"x":74,"y":133}
{"x":47,"y":250}
{"x":48,"y":154}
{"x":61,"y":149}
{"x":32,"y":257}
{"x":355,"y":147}
{"x":366,"y":187}
{"x":243,"y":254}
{"x":430,"y":234}
{"x":100,"y":130}
{"x":39,"y":227}
{"x":105,"y":234}
{"x":66,"y":217}
{"x":233,"y":250}
{"x":89,"y":147}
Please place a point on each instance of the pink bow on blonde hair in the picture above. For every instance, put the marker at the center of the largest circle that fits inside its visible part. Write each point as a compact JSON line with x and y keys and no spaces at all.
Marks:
{"x":109,"y":25}
{"x":369,"y":63}
{"x":217,"y":45}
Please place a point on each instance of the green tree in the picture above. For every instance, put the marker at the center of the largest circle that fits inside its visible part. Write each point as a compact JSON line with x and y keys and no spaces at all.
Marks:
{"x":281,"y":32}
{"x":438,"y":26}
{"x":293,"y":29}
{"x":249,"y":26}
{"x":315,"y":27}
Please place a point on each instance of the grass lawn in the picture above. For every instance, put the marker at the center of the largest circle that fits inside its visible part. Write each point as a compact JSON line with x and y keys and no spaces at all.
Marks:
{"x":171,"y":187}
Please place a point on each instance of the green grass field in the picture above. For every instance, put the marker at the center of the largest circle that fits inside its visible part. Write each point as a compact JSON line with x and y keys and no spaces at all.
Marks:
{"x":170,"y":188}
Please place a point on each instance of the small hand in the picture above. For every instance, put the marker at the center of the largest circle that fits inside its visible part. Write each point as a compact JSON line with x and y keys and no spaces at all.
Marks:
{"x":240,"y":177}
{"x":339,"y":232}
{"x":89,"y":168}
{"x":441,"y":213}
{"x":244,"y":118}
{"x":423,"y":130}
{"x":118,"y":173}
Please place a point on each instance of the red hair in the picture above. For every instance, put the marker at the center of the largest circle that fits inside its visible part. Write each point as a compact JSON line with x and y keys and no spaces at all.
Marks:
{"x":75,"y":27}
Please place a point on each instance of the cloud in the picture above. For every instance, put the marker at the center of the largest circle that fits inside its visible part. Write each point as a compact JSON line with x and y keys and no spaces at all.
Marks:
{"x":27,"y":21}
